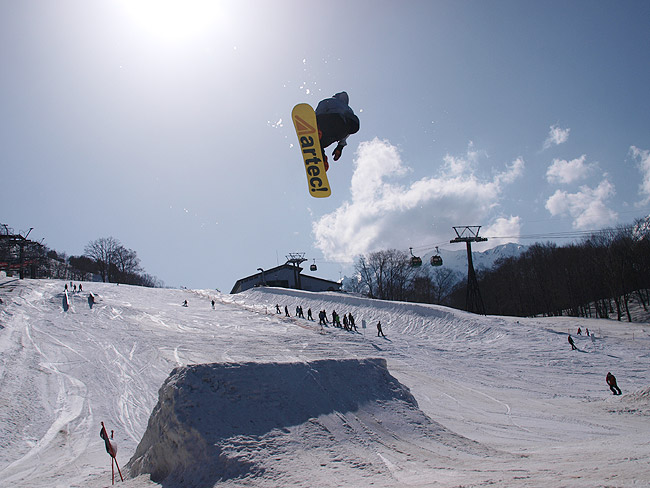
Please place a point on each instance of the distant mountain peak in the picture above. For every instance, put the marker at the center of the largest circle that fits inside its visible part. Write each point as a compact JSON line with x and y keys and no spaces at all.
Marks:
{"x":457,"y":259}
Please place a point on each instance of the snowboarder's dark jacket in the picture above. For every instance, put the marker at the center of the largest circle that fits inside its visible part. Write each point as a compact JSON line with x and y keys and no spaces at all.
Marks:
{"x":336,"y":119}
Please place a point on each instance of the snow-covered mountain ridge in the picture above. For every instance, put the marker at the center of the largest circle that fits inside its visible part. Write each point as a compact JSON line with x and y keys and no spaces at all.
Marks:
{"x":457,"y":260}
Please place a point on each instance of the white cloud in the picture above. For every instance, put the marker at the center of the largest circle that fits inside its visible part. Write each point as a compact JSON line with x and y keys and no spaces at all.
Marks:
{"x":587,"y":207}
{"x":643,"y":158}
{"x":502,"y":231}
{"x":459,"y":165}
{"x":556,"y":136}
{"x":384,"y":213}
{"x":563,"y":171}
{"x":514,"y":171}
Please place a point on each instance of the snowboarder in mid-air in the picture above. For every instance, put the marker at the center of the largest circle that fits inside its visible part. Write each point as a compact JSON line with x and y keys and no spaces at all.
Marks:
{"x":611,"y":381}
{"x":336,"y":121}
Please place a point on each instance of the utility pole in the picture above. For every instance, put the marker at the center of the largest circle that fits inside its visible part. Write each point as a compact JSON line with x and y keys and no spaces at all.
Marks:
{"x":469,"y":234}
{"x":296,"y":258}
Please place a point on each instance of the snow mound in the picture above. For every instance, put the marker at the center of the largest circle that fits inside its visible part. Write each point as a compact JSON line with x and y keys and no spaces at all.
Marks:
{"x":643,"y":395}
{"x":229,"y":421}
{"x":634,"y":403}
{"x":638,"y":401}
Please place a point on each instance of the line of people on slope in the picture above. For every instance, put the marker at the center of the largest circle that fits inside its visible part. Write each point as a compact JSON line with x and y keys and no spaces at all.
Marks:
{"x":73,"y":287}
{"x":347,"y":323}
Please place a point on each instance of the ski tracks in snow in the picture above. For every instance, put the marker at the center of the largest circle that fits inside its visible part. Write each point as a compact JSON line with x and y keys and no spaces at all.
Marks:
{"x":70,"y":415}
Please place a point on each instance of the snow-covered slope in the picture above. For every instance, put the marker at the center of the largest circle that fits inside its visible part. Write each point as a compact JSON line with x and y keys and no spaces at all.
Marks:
{"x":496,"y":401}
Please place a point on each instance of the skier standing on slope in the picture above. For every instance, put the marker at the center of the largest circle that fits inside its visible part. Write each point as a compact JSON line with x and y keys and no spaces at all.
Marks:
{"x":611,"y":381}
{"x":380,"y":332}
{"x":573,"y":346}
{"x":336,"y":121}
{"x":351,"y":321}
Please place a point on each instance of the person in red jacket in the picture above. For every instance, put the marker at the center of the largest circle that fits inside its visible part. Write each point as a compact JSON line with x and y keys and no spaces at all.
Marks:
{"x":611,"y":381}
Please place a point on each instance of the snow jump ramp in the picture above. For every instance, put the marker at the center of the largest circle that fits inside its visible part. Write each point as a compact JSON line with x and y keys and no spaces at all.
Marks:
{"x":343,"y":421}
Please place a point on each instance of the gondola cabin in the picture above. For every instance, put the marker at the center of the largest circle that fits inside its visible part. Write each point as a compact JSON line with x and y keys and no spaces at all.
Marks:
{"x":436,"y":260}
{"x":313,"y":266}
{"x":416,"y":261}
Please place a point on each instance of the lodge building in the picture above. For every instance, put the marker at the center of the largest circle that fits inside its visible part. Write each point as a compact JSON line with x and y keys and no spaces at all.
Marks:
{"x":285,"y":276}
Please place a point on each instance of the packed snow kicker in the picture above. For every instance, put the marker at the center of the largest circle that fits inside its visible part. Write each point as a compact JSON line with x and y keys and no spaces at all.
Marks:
{"x":232,"y":420}
{"x":238,"y":395}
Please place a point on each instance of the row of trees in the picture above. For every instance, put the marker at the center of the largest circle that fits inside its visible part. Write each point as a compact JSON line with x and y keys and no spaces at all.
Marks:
{"x":105,"y":258}
{"x":108,"y":258}
{"x":587,"y":279}
{"x":591,"y":278}
{"x":388,"y":275}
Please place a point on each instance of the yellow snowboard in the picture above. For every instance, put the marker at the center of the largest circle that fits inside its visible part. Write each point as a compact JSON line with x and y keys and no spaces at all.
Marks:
{"x":304,"y":120}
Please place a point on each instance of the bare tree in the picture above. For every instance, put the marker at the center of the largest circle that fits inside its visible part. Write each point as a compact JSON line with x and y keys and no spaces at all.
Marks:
{"x":386,"y":274}
{"x":127,"y":262}
{"x":365,"y":273}
{"x":82,"y":267}
{"x":149,"y":281}
{"x":444,"y":280}
{"x":103,"y":251}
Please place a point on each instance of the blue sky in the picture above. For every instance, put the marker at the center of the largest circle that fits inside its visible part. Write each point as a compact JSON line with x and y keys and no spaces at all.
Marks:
{"x":167,"y":126}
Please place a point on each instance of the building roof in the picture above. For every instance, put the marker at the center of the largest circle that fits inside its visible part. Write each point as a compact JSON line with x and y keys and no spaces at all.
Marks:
{"x":283,"y":267}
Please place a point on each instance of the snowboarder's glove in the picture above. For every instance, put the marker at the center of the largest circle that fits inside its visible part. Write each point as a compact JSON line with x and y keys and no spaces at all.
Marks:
{"x":337,"y":152}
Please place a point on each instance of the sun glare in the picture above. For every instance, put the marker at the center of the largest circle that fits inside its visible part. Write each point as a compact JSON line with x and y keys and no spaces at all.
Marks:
{"x":173,"y":19}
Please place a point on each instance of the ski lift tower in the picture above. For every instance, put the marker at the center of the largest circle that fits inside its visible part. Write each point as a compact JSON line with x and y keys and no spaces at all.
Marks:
{"x":21,"y":241}
{"x":469,"y":234}
{"x":296,"y":258}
